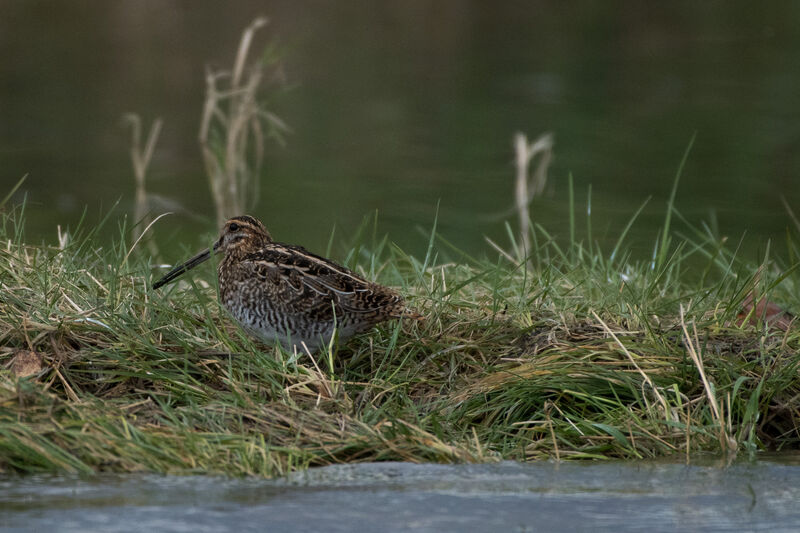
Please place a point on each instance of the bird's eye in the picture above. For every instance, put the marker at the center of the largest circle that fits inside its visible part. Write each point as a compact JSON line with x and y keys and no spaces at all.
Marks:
{"x":233,"y":227}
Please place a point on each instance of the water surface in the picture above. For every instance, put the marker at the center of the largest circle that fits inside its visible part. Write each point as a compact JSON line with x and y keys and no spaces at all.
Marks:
{"x":615,"y":496}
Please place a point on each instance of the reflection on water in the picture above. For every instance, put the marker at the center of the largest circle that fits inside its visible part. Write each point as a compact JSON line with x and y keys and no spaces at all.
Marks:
{"x":396,"y":105}
{"x":619,"y":496}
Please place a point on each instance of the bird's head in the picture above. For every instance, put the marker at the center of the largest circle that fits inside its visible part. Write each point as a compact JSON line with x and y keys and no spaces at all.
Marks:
{"x":240,"y":236}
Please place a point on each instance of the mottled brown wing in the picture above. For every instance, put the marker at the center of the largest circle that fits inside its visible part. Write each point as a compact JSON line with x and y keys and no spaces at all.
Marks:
{"x":307,"y":283}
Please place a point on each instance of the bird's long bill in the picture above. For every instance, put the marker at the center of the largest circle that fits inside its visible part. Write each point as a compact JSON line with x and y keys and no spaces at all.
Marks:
{"x":180,"y":269}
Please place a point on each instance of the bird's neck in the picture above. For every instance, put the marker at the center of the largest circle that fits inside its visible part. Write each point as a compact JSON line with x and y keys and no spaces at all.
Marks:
{"x":244,"y":248}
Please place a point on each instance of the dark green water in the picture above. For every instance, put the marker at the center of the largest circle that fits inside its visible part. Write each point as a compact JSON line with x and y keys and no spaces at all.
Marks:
{"x":397,"y":106}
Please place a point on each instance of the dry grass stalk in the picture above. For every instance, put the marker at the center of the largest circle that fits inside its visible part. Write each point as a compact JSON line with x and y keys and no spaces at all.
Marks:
{"x":645,"y":377}
{"x":528,"y":184}
{"x":726,"y":440}
{"x":140,"y":158}
{"x":233,"y":129}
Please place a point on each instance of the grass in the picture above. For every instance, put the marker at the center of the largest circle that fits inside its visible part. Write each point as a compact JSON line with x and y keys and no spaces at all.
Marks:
{"x":582,"y":355}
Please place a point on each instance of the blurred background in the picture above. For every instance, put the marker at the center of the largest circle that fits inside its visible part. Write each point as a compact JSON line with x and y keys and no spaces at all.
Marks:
{"x":397,"y":106}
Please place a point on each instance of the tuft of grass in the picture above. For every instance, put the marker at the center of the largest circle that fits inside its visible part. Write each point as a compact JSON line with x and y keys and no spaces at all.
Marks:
{"x":569,"y":354}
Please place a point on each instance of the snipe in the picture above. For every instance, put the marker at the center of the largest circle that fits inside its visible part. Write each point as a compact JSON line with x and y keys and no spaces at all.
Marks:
{"x":283,"y":293}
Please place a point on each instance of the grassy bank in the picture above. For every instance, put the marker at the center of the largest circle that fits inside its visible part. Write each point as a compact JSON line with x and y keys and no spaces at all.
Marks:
{"x":577,"y":354}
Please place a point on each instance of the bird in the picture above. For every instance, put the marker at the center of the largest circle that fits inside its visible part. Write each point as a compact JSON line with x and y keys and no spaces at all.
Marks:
{"x":282,"y":293}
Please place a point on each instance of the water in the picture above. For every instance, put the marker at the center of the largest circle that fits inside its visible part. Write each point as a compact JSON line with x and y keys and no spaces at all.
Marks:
{"x":618,"y":496}
{"x":401,"y":106}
